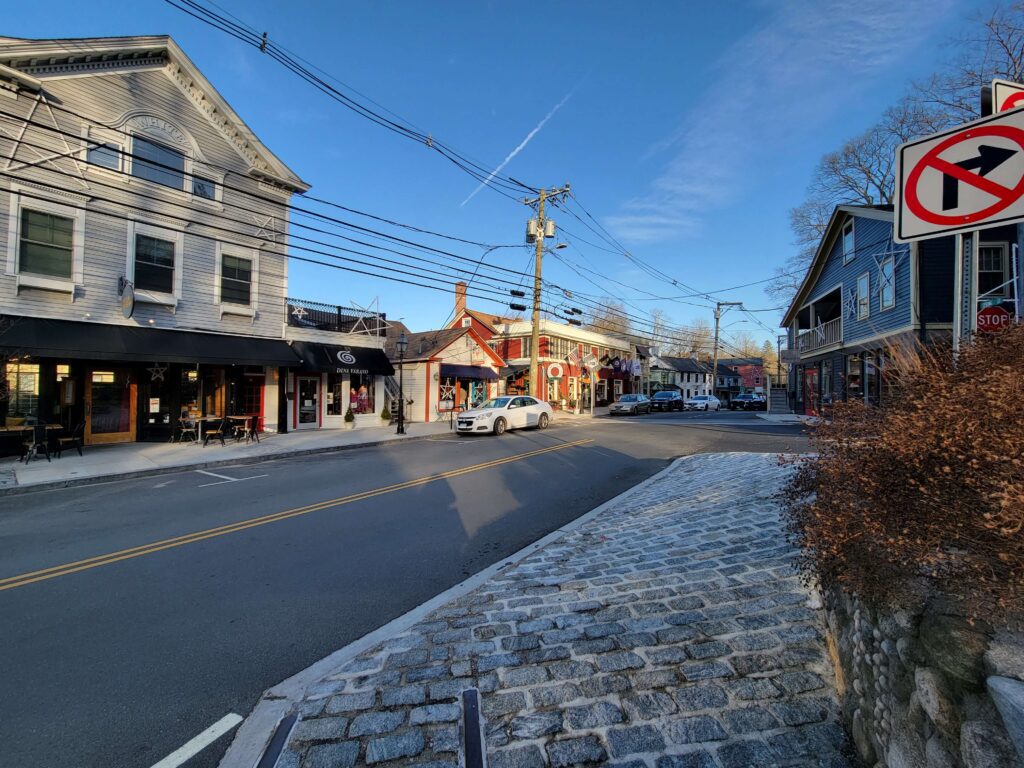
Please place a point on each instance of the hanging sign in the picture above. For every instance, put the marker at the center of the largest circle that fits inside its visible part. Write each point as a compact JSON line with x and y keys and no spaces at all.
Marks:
{"x":968,"y":178}
{"x":555,"y":371}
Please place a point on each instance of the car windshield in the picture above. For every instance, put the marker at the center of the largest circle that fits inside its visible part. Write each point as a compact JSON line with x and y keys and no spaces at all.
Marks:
{"x":699,"y":397}
{"x":497,"y":402}
{"x":664,"y":395}
{"x":627,"y":399}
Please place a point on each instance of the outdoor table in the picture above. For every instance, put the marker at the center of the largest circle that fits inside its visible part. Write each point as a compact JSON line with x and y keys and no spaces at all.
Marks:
{"x":246,"y":421}
{"x":200,"y":420}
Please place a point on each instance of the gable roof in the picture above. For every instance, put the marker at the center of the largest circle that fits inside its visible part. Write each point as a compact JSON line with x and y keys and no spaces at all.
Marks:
{"x":685,"y":364}
{"x":427,"y":344}
{"x":839,"y":215}
{"x":39,"y":60}
{"x":487,"y":320}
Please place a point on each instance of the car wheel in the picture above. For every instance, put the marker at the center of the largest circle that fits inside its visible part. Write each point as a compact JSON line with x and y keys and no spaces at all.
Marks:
{"x":499,"y":426}
{"x":542,"y":422}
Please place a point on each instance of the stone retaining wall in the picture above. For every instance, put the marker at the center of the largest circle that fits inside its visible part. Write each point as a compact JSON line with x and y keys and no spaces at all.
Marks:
{"x":927,"y":691}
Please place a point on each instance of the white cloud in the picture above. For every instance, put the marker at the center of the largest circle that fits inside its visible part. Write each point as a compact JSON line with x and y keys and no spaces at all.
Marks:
{"x":806,"y":60}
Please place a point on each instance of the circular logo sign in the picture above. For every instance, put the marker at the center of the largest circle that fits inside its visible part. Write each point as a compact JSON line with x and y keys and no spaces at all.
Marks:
{"x":992,"y":319}
{"x":346,"y":357}
{"x":555,"y":371}
{"x":128,"y":301}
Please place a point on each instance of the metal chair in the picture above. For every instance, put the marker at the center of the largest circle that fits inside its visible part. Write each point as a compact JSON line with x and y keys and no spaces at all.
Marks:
{"x":36,"y":440}
{"x":187,"y":428}
{"x":74,"y":439}
{"x":217,"y":433}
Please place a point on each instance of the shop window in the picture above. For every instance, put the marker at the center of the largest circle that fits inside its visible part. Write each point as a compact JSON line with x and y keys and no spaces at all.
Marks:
{"x":826,"y":381}
{"x":617,"y":387}
{"x":361,"y":395}
{"x":236,"y":280}
{"x":189,"y":392}
{"x":158,"y":163}
{"x":22,"y":390}
{"x":854,"y":378}
{"x":154,"y":264}
{"x":336,"y":394}
{"x":871,"y":379}
{"x":46,"y":244}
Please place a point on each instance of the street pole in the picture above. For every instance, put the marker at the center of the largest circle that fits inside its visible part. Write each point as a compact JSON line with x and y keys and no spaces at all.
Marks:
{"x":718,"y":317}
{"x":541,"y":234}
{"x":402,"y":344}
{"x":535,"y":330}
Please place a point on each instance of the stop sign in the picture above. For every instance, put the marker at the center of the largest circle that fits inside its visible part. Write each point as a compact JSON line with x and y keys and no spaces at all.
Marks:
{"x":992,"y":319}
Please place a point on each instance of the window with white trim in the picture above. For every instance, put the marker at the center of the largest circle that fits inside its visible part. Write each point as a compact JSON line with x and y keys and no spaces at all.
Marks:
{"x":467,"y":322}
{"x":848,"y":247}
{"x":617,"y":387}
{"x":236,"y":280}
{"x":864,"y":296}
{"x":46,"y":244}
{"x":154,"y":264}
{"x":204,"y":188}
{"x":106,"y":155}
{"x":158,"y":163}
{"x":887,"y":289}
{"x":992,"y":276}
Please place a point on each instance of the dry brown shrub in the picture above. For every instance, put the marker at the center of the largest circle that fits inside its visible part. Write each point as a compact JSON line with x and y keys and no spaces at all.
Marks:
{"x":923,"y":496}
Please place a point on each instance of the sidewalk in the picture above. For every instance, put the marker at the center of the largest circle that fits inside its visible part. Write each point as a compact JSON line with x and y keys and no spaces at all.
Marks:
{"x":665,"y":629}
{"x":125,"y":460}
{"x":787,"y":418}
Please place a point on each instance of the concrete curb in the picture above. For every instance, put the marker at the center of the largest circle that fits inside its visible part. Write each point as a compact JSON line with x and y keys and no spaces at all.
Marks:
{"x":255,"y":733}
{"x":235,"y":462}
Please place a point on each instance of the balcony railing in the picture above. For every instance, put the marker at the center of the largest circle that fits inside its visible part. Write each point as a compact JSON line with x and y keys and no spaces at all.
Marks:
{"x":331,"y":317}
{"x":822,"y":336}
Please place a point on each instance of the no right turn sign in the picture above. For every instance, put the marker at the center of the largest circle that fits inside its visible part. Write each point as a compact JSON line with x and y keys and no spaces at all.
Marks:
{"x":968,"y":178}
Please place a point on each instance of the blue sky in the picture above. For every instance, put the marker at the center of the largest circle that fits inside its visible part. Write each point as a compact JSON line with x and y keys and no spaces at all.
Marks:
{"x":687,"y":129}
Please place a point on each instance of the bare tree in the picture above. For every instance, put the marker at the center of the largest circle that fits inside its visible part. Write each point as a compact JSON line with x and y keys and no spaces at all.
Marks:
{"x":991,"y":47}
{"x":611,"y":318}
{"x":862,"y":172}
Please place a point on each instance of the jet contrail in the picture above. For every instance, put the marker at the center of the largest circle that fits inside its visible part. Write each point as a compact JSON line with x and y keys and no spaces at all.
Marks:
{"x":519,"y":149}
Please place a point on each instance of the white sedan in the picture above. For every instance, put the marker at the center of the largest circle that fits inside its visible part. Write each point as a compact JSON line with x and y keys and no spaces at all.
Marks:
{"x":501,"y":413}
{"x":703,"y":403}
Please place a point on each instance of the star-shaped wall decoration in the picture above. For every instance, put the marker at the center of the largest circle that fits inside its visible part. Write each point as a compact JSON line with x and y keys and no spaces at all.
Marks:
{"x":157,"y":371}
{"x":850,"y":303}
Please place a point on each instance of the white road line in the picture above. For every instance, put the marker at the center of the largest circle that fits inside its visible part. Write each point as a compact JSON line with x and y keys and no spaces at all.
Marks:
{"x":193,"y":747}
{"x":229,"y":480}
{"x":214,"y":474}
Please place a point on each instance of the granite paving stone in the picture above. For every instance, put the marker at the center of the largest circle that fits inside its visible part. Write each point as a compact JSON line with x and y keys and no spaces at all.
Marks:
{"x":670,"y":630}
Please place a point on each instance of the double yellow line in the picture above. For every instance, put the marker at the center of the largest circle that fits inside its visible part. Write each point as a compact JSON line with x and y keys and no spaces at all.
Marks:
{"x":223,"y":530}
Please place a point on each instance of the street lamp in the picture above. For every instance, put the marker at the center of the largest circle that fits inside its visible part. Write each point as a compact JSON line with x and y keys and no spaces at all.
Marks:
{"x":402,"y":344}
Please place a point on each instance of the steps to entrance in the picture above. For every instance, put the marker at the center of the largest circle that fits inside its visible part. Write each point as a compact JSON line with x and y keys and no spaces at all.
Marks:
{"x":778,"y":402}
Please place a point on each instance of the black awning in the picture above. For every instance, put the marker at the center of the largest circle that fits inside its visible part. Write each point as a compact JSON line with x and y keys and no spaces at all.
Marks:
{"x":70,"y":340}
{"x":334,"y":359}
{"x":467,"y":371}
{"x":513,"y":370}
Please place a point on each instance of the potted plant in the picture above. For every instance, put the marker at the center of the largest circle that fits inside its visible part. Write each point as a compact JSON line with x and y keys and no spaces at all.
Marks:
{"x":350,"y":418}
{"x":385,"y":415}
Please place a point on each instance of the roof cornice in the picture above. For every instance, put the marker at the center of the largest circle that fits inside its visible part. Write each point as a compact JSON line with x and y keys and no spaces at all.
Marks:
{"x":42,"y":59}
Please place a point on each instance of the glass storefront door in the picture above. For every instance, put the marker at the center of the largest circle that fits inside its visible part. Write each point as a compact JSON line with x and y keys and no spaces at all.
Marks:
{"x":308,"y":406}
{"x":110,"y":406}
{"x":811,"y":390}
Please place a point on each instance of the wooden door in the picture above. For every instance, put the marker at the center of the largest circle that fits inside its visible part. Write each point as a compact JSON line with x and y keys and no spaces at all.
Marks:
{"x":111,"y":400}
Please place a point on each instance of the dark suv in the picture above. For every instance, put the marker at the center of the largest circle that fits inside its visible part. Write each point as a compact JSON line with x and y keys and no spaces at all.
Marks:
{"x":667,"y":401}
{"x":748,"y":402}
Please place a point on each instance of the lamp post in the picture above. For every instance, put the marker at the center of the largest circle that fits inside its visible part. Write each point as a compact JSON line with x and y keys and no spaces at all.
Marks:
{"x":402,"y":344}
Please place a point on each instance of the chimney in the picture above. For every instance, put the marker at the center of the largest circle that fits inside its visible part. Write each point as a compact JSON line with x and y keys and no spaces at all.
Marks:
{"x":460,"y":298}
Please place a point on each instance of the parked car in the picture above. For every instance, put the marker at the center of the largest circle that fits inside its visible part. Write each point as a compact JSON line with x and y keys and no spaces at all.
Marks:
{"x":703,"y":403}
{"x":667,"y":401}
{"x":631,"y":405}
{"x":502,"y":413}
{"x":749,"y":401}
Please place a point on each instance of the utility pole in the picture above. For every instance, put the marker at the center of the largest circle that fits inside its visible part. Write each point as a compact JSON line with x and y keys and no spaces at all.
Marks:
{"x":539,"y":229}
{"x":718,"y":316}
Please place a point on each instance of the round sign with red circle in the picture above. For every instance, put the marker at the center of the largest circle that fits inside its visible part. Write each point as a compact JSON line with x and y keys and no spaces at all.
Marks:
{"x":992,"y":319}
{"x":1005,"y":196}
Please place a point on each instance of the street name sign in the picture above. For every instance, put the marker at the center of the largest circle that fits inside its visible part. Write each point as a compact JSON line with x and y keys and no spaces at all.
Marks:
{"x":992,"y":319}
{"x":1006,"y":95}
{"x":964,"y":179}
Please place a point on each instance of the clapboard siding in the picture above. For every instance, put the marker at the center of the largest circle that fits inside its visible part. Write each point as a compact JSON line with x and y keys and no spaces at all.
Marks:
{"x":106,"y":99}
{"x":871,"y":241}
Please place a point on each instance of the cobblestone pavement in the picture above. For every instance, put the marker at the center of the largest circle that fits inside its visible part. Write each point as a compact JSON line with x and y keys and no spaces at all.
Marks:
{"x":669,"y":631}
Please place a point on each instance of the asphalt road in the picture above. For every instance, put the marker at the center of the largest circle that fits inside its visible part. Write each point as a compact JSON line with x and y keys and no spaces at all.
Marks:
{"x":136,"y":614}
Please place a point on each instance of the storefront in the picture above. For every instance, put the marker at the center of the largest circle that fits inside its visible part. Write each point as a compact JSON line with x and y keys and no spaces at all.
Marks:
{"x":106,"y":378}
{"x":331,"y":380}
{"x":461,"y":387}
